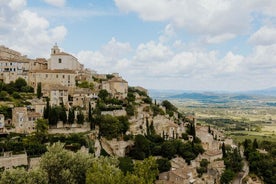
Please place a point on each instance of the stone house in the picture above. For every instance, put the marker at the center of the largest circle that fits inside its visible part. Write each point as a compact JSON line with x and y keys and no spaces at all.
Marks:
{"x":82,"y":96}
{"x":23,"y":120}
{"x":39,"y":64}
{"x":13,"y":65}
{"x":116,"y":86}
{"x":61,"y":76}
{"x":57,"y":94}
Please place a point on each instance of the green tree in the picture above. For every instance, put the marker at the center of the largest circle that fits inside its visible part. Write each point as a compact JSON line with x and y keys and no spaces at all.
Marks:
{"x":41,"y":126}
{"x":227,"y":176}
{"x":223,"y":150}
{"x":71,"y":115}
{"x":62,"y":114}
{"x":46,"y":111}
{"x":126,"y":164}
{"x":104,"y":170}
{"x":63,"y":166}
{"x":19,"y":176}
{"x":89,"y":113}
{"x":103,"y":94}
{"x":164,"y":164}
{"x":38,"y":90}
{"x":146,"y":170}
{"x":19,"y":83}
{"x":80,"y":117}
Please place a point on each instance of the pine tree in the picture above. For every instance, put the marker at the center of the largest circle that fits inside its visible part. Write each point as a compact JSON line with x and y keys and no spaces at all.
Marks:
{"x":46,"y":111}
{"x":223,"y":150}
{"x":255,"y":144}
{"x":71,"y":116}
{"x":38,"y":90}
{"x":89,"y":113}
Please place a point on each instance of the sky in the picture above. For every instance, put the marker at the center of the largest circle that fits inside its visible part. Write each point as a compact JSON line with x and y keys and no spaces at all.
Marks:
{"x":209,"y":45}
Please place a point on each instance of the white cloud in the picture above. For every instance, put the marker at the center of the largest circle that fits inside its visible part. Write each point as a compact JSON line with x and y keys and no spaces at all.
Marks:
{"x":167,"y":33}
{"x":115,"y":49}
{"x":219,"y":38}
{"x":202,"y":16}
{"x":58,"y":3}
{"x":152,"y":52}
{"x":26,"y":31}
{"x":264,"y":36}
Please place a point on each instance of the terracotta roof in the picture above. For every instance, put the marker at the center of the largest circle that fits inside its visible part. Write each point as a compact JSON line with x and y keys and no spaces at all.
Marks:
{"x":117,"y":79}
{"x":49,"y":87}
{"x":54,"y":71}
{"x":18,"y":60}
{"x":64,"y":54}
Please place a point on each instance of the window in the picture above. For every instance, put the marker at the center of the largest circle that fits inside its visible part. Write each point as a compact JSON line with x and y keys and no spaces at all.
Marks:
{"x":63,"y":76}
{"x":59,"y":60}
{"x":46,"y":75}
{"x":56,"y":76}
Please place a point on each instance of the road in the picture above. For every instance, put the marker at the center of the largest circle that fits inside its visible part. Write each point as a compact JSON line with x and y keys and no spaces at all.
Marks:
{"x":242,"y":174}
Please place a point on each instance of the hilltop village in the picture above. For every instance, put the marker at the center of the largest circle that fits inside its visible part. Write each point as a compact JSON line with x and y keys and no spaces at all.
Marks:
{"x":57,"y":99}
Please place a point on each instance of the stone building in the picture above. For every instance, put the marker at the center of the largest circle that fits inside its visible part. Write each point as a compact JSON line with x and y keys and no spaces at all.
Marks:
{"x":23,"y":120}
{"x":13,"y":65}
{"x":116,"y":86}
{"x":56,"y":93}
{"x":62,"y":60}
{"x":62,"y":77}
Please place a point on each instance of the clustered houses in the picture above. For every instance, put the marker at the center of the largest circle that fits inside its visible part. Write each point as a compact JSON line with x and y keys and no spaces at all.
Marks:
{"x":59,"y":77}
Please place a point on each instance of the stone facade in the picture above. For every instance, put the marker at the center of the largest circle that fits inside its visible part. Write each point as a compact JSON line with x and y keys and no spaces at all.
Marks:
{"x":62,"y":60}
{"x":57,"y":94}
{"x":116,"y":86}
{"x":9,"y":161}
{"x":23,"y":120}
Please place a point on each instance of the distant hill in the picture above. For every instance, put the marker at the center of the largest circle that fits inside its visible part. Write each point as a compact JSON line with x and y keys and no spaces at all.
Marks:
{"x":264,"y":92}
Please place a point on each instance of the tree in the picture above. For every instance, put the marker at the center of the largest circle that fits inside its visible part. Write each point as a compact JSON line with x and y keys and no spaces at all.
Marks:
{"x":38,"y":90}
{"x":63,"y":166}
{"x":19,"y":176}
{"x":146,"y":170}
{"x":169,"y":149}
{"x":71,"y":115}
{"x":141,"y":148}
{"x":223,"y":150}
{"x":104,"y":170}
{"x":41,"y":126}
{"x":53,"y":115}
{"x":126,"y":164}
{"x":255,"y":144}
{"x":164,"y":164}
{"x":46,"y":111}
{"x":103,"y":94}
{"x":227,"y":176}
{"x":89,"y":112}
{"x":110,"y":126}
{"x":62,"y":114}
{"x":80,"y":117}
{"x":19,"y":83}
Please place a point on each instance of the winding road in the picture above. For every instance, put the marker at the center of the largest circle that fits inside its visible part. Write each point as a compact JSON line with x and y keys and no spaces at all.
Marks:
{"x":238,"y":179}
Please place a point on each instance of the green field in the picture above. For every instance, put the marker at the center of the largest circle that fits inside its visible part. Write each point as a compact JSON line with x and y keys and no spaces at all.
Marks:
{"x":241,"y":119}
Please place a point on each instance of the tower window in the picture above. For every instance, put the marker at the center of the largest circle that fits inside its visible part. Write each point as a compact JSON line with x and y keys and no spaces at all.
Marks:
{"x":59,"y":60}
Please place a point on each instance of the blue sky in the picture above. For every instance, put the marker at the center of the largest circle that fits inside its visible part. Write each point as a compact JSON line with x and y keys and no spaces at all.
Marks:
{"x":164,"y":44}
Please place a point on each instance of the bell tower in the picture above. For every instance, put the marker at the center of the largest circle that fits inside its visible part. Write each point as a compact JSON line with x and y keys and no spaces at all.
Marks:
{"x":55,"y":49}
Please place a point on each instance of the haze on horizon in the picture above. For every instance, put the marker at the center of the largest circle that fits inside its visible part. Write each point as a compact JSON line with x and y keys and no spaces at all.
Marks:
{"x":165,"y":44}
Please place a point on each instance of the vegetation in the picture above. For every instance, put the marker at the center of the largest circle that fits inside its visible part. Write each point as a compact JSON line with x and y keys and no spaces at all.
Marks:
{"x":61,"y":166}
{"x":261,"y":164}
{"x":112,"y":127}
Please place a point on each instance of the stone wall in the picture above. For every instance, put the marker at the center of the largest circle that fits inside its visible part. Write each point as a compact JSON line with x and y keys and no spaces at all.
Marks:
{"x":9,"y":161}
